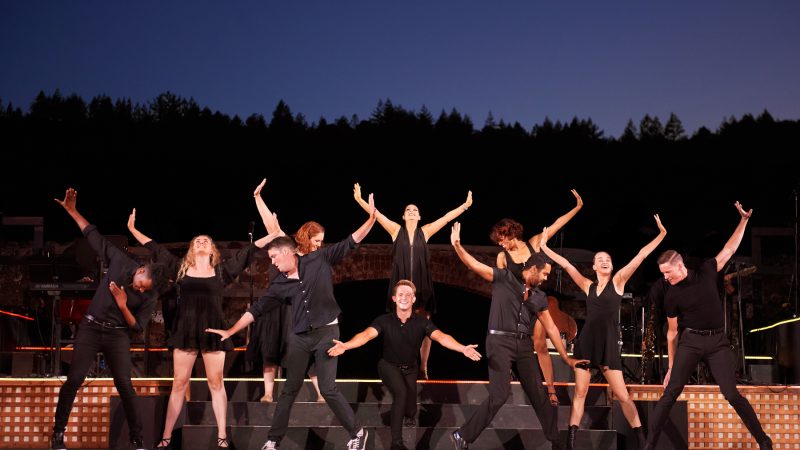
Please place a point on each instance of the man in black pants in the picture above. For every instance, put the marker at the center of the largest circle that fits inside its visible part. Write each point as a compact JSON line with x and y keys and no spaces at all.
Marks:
{"x":516,"y":305}
{"x":125,"y":304}
{"x":692,"y":305}
{"x":403,"y":332}
{"x":307,"y":283}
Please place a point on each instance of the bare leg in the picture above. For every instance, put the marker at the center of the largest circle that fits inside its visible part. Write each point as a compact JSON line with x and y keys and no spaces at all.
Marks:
{"x":269,"y":381}
{"x":545,"y":363}
{"x":215,"y":363}
{"x":582,"y":378}
{"x":182,"y":364}
{"x":315,"y":382}
{"x":617,"y":383}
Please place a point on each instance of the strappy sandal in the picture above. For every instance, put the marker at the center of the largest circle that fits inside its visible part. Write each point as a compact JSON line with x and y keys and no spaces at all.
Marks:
{"x":553,"y":398}
{"x":223,"y":444}
{"x":164,"y":444}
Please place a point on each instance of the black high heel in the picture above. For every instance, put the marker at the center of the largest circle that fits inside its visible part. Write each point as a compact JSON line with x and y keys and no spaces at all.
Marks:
{"x":164,"y":444}
{"x":571,"y":433}
{"x":223,"y":443}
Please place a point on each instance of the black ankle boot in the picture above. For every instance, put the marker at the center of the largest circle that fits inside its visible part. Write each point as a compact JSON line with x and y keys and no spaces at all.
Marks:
{"x":571,"y":433}
{"x":640,"y":437}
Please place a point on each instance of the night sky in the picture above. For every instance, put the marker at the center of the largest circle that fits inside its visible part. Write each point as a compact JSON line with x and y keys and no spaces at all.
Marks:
{"x":521,"y":61}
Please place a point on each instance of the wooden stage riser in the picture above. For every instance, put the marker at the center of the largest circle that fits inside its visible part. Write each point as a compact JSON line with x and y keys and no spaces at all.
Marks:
{"x":28,"y":406}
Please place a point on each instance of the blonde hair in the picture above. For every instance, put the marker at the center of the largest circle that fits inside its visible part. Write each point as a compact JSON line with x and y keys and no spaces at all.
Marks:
{"x":190,"y":259}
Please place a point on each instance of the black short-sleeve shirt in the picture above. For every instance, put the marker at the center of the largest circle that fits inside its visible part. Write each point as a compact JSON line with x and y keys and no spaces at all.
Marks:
{"x":695,"y":299}
{"x":401,"y":341}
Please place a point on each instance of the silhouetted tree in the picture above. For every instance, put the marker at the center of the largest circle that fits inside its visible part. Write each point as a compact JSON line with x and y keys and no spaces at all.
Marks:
{"x":673,"y":130}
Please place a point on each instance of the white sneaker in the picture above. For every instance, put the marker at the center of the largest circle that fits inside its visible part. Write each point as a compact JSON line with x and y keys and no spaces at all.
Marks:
{"x":359,"y":442}
{"x":269,"y":445}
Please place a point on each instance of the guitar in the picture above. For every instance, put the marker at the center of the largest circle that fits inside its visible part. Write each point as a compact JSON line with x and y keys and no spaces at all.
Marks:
{"x":564,"y":322}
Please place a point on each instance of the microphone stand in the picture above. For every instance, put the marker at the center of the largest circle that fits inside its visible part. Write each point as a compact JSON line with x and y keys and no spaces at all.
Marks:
{"x":252,"y":280}
{"x":795,"y":273}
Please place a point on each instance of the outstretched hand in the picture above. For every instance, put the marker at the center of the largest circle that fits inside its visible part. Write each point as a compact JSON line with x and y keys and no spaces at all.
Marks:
{"x":132,"y":220}
{"x":337,"y":349}
{"x":660,"y":225}
{"x":742,"y":212}
{"x":578,"y":198}
{"x":543,"y":240}
{"x":455,"y":233}
{"x":224,"y":333}
{"x":357,"y":191}
{"x":372,"y":210}
{"x":260,"y":186}
{"x":70,"y":200}
{"x":471,"y":353}
{"x":468,"y":203}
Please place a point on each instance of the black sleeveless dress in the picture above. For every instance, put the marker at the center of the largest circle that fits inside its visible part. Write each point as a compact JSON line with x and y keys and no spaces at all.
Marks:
{"x":598,"y":338}
{"x":199,"y":304}
{"x":412,"y":263}
{"x":514,"y":267}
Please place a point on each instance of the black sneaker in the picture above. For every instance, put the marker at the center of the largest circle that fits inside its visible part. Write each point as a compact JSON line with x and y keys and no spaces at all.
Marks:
{"x":57,"y":441}
{"x":766,"y":444}
{"x":136,"y":444}
{"x":458,"y":442}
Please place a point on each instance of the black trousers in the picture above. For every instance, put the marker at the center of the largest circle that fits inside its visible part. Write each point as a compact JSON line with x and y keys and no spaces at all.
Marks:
{"x":715,"y":350}
{"x":116,"y":347}
{"x":402,"y":384}
{"x":503,"y":351}
{"x":299,"y":349}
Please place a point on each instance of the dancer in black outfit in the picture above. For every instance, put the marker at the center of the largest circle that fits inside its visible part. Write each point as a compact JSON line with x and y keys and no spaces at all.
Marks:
{"x":516,"y":305}
{"x":403,"y":332}
{"x":200,"y":276}
{"x":307,"y":283}
{"x":597,"y":341}
{"x":411,"y":259}
{"x":124,"y":301}
{"x":696,"y":332}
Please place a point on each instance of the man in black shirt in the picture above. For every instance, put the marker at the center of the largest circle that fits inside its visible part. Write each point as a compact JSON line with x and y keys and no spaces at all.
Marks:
{"x":126,"y":304}
{"x":403,"y":332}
{"x":694,"y":312}
{"x":516,"y":305}
{"x":306,"y":282}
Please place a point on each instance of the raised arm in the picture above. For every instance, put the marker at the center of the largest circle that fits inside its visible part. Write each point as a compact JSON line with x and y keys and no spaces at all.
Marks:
{"x":556,"y":226}
{"x":623,"y":275}
{"x":138,"y":235}
{"x":362,"y":231}
{"x":390,"y":226}
{"x":70,"y":206}
{"x":269,"y":219}
{"x":582,"y":282}
{"x":736,"y":238}
{"x":358,"y":340}
{"x":432,"y":228}
{"x":449,"y":342}
{"x":472,"y":264}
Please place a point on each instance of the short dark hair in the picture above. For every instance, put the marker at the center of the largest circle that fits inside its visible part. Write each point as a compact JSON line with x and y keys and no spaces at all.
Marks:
{"x":536,"y":260}
{"x":670,"y":256}
{"x":158,"y":275}
{"x":282,"y":242}
{"x":506,"y":228}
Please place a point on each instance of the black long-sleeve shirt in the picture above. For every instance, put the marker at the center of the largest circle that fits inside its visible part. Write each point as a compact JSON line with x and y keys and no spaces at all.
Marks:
{"x":121,"y":269}
{"x":311,"y":295}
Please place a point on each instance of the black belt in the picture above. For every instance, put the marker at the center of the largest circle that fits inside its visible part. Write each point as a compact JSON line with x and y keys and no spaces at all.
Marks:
{"x":705,"y":332}
{"x":510,"y":333}
{"x":90,"y":318}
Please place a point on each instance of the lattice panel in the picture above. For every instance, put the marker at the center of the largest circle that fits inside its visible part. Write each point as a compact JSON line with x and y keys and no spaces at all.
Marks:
{"x":714,"y":424}
{"x":28,"y":408}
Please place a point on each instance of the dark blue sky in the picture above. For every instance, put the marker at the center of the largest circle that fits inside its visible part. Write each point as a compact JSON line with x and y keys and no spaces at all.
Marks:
{"x":523,"y":61}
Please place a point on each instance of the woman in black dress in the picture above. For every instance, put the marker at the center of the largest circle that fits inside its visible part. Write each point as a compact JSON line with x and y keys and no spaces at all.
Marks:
{"x":201,"y":276}
{"x":411,"y":259}
{"x":597,"y":340}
